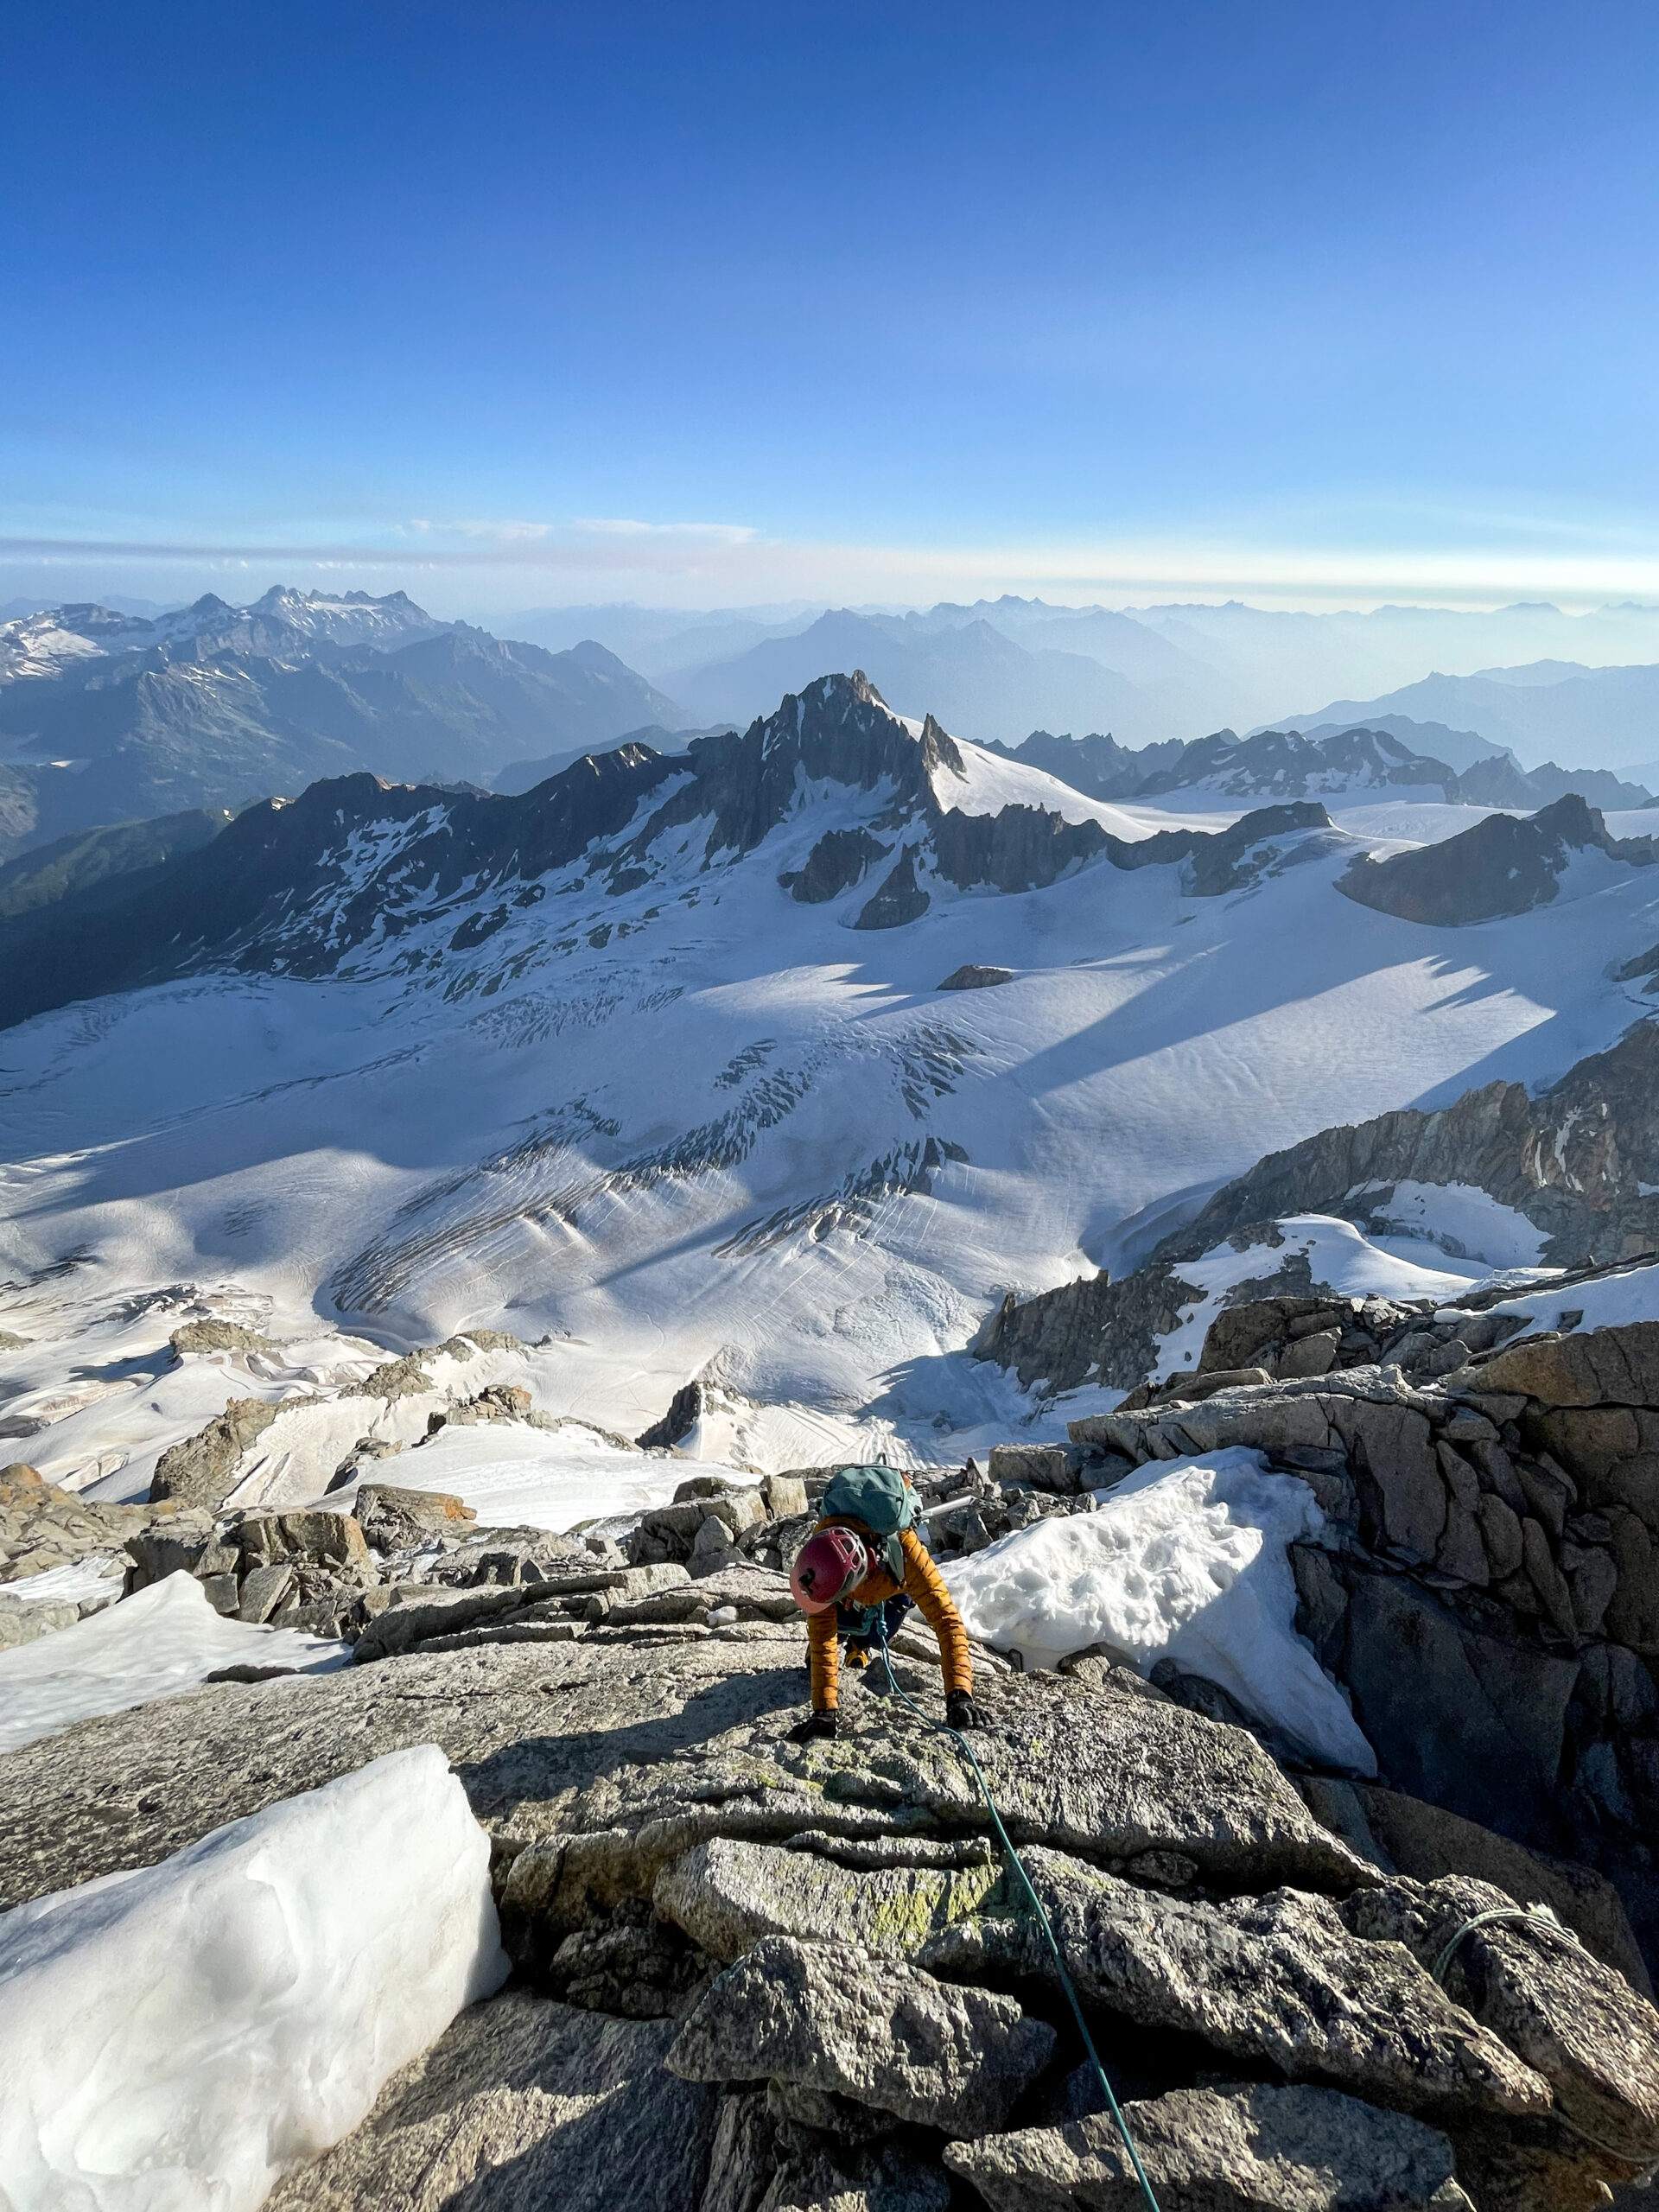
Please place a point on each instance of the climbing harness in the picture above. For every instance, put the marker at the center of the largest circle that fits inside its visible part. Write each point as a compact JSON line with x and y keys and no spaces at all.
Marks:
{"x":1043,"y":1922}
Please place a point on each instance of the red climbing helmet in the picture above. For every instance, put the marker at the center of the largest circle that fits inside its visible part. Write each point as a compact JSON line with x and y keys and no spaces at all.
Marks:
{"x":829,"y":1563}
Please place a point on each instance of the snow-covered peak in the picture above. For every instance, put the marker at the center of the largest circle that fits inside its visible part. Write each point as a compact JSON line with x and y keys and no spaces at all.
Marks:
{"x":284,"y":623}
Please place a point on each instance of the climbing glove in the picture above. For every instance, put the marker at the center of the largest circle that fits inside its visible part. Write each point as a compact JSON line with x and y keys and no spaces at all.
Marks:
{"x":960,"y":1711}
{"x":815,"y":1724}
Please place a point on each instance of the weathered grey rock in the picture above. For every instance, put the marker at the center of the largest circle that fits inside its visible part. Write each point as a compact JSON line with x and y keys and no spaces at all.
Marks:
{"x":1547,"y":1579}
{"x":1574,"y":2021}
{"x":1591,"y":1367}
{"x":333,"y":1539}
{"x":1461,"y":1551}
{"x":1633,"y":1610}
{"x":169,"y":1547}
{"x":1592,"y":1578}
{"x":850,"y":2178}
{"x":1047,"y":1466}
{"x":785,"y":1495}
{"x":21,"y":1622}
{"x":202,"y":1469}
{"x":1247,"y":2149}
{"x":1425,"y":1841}
{"x":1500,"y":1531}
{"x":1099,"y":1772}
{"x":1268,"y":1980}
{"x":887,"y":2036}
{"x":522,"y":2104}
{"x":216,"y":1335}
{"x":263,"y":1590}
{"x":1315,"y":1354}
{"x":972,"y":977}
{"x":433,"y":1613}
{"x":744,"y":2155}
{"x":396,"y":1520}
{"x":729,"y":1895}
{"x":527,"y":1727}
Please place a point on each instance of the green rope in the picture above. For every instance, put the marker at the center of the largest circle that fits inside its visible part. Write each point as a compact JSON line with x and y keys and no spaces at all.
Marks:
{"x":1538,"y":1917}
{"x":1018,"y":1865}
{"x":1539,"y":1920}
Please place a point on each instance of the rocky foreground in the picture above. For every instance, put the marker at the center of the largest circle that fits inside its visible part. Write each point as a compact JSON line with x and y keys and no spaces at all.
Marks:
{"x":753,"y":1975}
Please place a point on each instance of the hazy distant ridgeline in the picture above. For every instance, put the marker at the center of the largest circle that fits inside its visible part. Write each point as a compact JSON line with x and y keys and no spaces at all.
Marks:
{"x":111,"y":714}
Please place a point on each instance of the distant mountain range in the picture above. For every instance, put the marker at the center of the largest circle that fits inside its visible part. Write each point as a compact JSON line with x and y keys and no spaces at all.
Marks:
{"x":1558,"y":708}
{"x":110,"y":714}
{"x":1147,"y":676}
{"x":1290,"y":764}
{"x":107,"y":717}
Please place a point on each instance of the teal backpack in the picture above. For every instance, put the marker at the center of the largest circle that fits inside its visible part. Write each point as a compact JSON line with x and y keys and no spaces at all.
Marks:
{"x":880,"y":1499}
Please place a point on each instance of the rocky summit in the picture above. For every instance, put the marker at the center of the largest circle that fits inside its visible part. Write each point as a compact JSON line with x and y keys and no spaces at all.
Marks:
{"x":750,"y":1974}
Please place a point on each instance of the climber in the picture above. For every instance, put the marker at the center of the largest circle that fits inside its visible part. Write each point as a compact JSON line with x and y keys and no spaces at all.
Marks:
{"x":857,"y":1576}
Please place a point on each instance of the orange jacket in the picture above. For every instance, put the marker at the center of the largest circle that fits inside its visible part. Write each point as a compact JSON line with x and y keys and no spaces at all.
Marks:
{"x":922,"y":1584}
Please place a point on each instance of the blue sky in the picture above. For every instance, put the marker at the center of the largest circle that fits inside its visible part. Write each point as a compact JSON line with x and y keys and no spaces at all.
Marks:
{"x":715,"y":304}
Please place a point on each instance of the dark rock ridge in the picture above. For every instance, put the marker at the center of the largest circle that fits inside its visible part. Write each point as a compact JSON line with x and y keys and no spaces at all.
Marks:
{"x":1288,"y":764}
{"x":1501,"y":867}
{"x":300,"y":887}
{"x":276,"y":891}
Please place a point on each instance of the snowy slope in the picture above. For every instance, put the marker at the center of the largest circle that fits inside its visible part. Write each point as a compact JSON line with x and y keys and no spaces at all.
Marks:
{"x":653,"y":1107}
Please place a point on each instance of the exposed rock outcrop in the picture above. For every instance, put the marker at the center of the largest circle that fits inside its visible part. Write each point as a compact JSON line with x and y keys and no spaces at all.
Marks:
{"x":1503,"y":866}
{"x":655,"y":1829}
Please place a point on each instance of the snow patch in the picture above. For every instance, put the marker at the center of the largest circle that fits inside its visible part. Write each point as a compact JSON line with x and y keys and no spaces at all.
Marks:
{"x":162,"y":1640}
{"x":175,"y":2038}
{"x":1185,"y":1560}
{"x":1465,"y":1222}
{"x":1340,"y":1258}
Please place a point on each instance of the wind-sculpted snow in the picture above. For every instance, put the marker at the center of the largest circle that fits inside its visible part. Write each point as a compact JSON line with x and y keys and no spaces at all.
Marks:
{"x":552,"y":1179}
{"x":905,"y":1173}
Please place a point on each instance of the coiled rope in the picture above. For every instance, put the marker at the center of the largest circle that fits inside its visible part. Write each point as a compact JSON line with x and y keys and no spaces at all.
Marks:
{"x":1014,"y":1861}
{"x":1538,"y":1920}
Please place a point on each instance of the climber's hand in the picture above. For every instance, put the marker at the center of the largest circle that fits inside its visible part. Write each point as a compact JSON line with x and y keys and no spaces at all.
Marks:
{"x":816,"y":1724}
{"x":960,"y":1711}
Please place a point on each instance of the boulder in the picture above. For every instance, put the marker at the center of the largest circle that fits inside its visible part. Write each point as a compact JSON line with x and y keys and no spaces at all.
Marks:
{"x":1573,"y":2020}
{"x":1268,"y":1980}
{"x":1592,"y":1367}
{"x":396,"y":1520}
{"x":335,"y":1540}
{"x":1044,"y":1466}
{"x":728,"y":1895}
{"x":1426,"y":1842}
{"x":970,"y":977}
{"x":888,"y":2036}
{"x":523,"y":2103}
{"x":21,"y":1622}
{"x":202,"y":1469}
{"x":1249,"y":2148}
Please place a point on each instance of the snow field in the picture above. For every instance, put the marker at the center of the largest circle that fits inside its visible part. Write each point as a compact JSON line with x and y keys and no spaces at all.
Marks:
{"x":154,"y":1644}
{"x":174,"y":2038}
{"x":1184,"y":1559}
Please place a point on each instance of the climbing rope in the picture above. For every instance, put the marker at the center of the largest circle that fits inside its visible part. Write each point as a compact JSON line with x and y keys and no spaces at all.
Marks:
{"x":1538,"y":1917}
{"x":1539,"y":1920}
{"x":1014,"y":1861}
